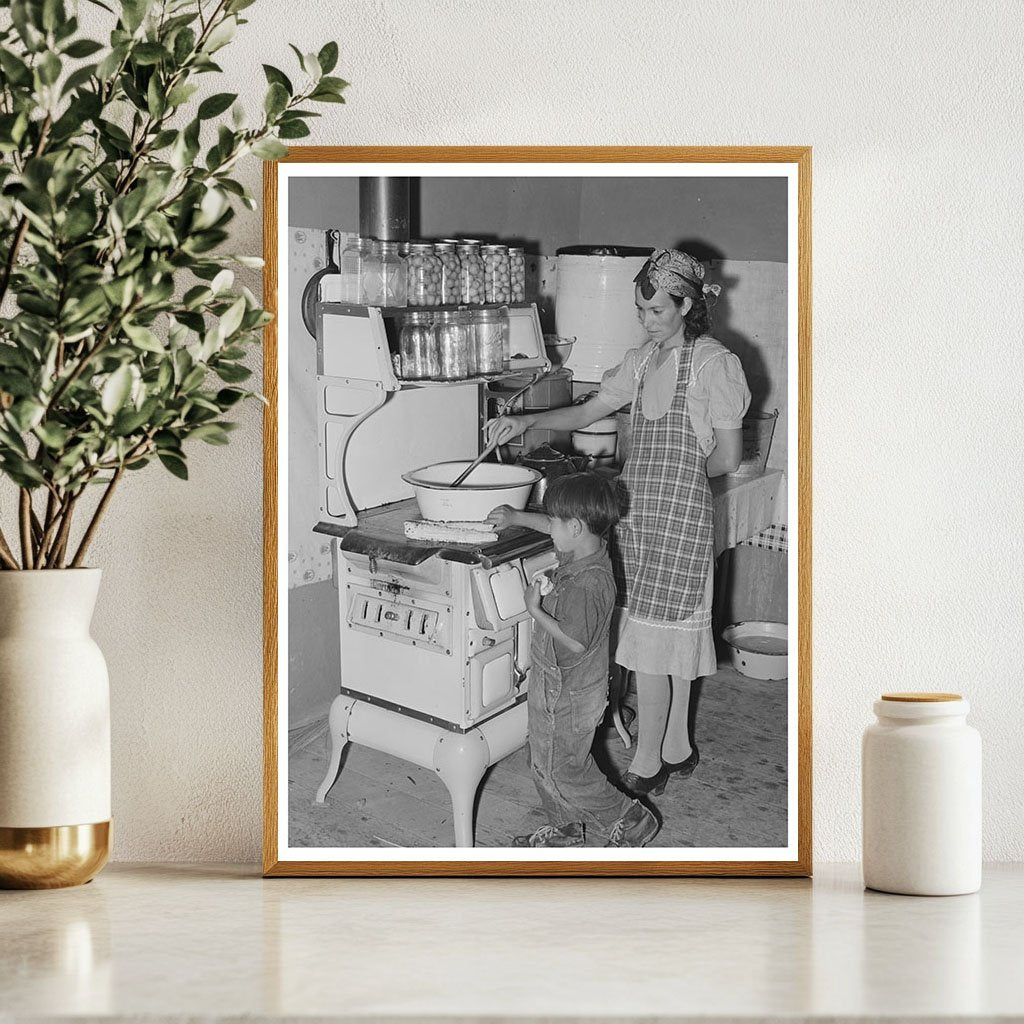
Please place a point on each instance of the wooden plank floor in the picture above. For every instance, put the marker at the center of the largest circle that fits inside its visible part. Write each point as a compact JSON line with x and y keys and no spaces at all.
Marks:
{"x":735,"y":798}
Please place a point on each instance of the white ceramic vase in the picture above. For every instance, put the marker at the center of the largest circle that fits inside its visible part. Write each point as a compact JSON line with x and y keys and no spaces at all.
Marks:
{"x":54,"y":731}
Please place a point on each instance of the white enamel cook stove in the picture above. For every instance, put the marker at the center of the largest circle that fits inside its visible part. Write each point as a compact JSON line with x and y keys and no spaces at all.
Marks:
{"x":435,"y":647}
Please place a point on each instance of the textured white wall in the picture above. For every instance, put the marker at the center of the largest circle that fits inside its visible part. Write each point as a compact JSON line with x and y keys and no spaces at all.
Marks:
{"x":913,"y":110}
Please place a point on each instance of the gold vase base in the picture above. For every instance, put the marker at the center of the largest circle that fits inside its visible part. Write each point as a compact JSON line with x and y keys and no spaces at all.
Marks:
{"x":53,"y":857}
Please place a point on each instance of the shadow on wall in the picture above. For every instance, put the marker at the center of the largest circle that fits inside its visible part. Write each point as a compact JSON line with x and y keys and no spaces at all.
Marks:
{"x":749,"y":353}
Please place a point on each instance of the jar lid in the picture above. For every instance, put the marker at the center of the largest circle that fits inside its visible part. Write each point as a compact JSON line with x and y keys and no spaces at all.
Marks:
{"x":494,"y":247}
{"x":921,"y":706}
{"x":445,"y":245}
{"x":417,"y":316}
{"x":421,"y":248}
{"x":921,"y":698}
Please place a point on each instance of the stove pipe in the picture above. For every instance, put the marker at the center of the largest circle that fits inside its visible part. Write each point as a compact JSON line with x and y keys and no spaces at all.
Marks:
{"x":384,"y":208}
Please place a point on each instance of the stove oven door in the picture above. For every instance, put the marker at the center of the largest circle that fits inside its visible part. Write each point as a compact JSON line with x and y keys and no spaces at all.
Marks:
{"x":492,"y":680}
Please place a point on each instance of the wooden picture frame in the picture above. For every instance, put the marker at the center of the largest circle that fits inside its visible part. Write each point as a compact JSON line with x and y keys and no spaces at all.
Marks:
{"x":793,"y":164}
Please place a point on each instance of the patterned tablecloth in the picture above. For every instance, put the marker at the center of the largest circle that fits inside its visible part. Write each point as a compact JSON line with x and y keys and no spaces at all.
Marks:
{"x":744,"y":507}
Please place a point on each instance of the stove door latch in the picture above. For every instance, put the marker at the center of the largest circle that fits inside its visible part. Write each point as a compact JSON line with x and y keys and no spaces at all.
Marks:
{"x":392,"y":587}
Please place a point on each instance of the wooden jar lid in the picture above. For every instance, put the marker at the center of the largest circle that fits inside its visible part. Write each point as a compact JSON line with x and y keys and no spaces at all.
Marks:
{"x":921,"y":698}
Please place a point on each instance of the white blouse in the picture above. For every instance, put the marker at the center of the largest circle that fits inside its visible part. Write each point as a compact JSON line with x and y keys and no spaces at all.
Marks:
{"x":717,"y":392}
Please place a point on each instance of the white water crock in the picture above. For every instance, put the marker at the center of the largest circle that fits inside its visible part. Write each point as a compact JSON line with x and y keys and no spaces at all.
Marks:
{"x":54,"y":731}
{"x":595,"y":304}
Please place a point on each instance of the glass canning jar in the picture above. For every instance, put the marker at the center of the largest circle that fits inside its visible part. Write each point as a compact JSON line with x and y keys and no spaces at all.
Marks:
{"x":372,"y":286}
{"x":490,"y":334}
{"x":353,"y":256}
{"x":418,"y":347}
{"x":471,"y":273}
{"x":423,"y":270}
{"x":392,"y":275}
{"x":450,"y":336}
{"x":517,"y":273}
{"x":497,"y":283}
{"x":466,"y":317}
{"x":451,"y":276}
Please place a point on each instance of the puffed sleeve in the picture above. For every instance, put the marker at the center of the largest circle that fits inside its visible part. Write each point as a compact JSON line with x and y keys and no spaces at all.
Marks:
{"x":618,"y":385}
{"x":727,"y":391}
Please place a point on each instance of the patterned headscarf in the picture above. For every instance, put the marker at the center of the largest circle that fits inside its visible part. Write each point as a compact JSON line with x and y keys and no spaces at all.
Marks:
{"x":677,"y":273}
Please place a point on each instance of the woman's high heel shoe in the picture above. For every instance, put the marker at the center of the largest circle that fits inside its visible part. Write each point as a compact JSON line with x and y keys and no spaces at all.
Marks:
{"x":684,"y":769}
{"x":641,"y":785}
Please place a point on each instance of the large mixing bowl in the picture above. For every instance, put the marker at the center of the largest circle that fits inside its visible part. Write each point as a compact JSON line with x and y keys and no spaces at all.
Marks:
{"x":489,"y":485}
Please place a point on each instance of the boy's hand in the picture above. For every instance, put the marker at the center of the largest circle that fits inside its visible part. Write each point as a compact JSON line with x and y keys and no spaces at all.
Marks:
{"x":502,"y":517}
{"x":532,"y":598}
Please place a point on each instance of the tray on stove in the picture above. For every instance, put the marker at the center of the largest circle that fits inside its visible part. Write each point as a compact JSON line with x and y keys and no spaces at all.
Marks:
{"x":380,"y":534}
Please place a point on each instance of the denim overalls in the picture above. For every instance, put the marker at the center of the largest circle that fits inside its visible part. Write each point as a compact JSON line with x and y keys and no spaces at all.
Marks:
{"x":567,"y":702}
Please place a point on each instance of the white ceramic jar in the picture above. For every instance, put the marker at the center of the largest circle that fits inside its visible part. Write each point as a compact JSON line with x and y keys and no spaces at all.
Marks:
{"x":921,"y":790}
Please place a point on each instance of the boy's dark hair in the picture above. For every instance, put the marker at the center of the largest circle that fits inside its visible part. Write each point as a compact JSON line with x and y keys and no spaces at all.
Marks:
{"x":584,"y":496}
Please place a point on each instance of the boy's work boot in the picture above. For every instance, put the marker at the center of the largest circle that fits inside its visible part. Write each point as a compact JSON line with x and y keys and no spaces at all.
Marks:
{"x":637,"y":827}
{"x":570,"y":834}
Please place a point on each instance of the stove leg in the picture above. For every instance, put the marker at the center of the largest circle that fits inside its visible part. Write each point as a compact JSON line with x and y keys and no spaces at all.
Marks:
{"x":461,"y":761}
{"x":620,"y":679}
{"x":337,"y":722}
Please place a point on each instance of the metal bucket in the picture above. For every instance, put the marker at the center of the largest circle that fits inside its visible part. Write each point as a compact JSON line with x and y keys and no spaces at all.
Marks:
{"x":758,"y":430}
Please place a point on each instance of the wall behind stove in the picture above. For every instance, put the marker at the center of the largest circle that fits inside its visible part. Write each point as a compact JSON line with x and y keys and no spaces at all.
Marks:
{"x":717,"y":218}
{"x":914,"y":120}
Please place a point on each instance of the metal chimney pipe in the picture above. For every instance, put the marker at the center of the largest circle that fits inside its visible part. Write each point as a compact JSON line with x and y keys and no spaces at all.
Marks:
{"x":384,"y":208}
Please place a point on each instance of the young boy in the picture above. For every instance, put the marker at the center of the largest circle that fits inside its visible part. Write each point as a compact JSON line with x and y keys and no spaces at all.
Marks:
{"x":569,"y":669}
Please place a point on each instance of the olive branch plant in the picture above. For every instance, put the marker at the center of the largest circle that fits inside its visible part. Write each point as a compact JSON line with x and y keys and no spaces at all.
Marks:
{"x":122,"y":333}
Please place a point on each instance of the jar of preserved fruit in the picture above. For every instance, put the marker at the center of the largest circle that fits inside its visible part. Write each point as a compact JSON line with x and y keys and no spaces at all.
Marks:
{"x":452,"y":343}
{"x":423,"y":271}
{"x":451,"y":273}
{"x":517,"y":273}
{"x":490,"y":335}
{"x":496,"y":273}
{"x":418,"y":348}
{"x":392,"y":275}
{"x":471,"y":273}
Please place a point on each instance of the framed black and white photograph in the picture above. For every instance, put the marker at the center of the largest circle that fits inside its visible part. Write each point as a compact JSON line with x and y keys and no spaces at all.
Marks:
{"x":537,"y":511}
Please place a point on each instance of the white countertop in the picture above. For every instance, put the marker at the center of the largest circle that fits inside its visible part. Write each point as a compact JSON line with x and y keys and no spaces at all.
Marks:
{"x":179,"y":941}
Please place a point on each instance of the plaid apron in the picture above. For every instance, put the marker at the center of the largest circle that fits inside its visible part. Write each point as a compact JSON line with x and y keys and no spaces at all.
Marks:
{"x":665,"y":537}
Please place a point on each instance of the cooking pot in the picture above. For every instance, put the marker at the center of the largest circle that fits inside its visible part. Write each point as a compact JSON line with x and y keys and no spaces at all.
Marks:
{"x":598,"y":439}
{"x":551,"y":464}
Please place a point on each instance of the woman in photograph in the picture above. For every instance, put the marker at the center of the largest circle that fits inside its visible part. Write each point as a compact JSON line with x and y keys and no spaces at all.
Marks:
{"x":689,"y":396}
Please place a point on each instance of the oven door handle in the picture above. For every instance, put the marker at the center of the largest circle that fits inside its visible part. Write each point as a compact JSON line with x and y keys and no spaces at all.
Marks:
{"x":518,"y":674}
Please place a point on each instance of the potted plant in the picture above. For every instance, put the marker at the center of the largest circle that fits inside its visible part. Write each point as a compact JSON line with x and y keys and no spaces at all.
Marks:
{"x":122,"y":340}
